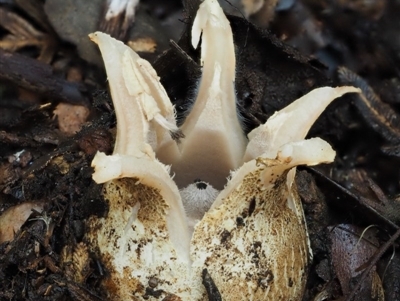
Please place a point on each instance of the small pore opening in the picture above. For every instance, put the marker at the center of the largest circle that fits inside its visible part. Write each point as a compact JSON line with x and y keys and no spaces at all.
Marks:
{"x":200,"y":184}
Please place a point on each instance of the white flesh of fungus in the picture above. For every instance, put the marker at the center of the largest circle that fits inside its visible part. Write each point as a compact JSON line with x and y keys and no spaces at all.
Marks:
{"x":253,"y":241}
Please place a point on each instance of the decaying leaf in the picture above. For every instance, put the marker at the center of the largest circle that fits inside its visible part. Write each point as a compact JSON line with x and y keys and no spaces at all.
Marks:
{"x":71,"y":117}
{"x":351,"y":251}
{"x":13,"y":218}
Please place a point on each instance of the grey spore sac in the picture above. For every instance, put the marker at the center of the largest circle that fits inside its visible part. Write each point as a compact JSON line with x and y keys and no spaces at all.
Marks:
{"x":197,"y":198}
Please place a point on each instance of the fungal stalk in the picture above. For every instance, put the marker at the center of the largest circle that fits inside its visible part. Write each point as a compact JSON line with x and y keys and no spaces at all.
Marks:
{"x":253,"y":240}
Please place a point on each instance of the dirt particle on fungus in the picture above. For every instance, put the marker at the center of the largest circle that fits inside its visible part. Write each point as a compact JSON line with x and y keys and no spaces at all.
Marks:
{"x":252,"y":206}
{"x":153,"y":282}
{"x":225,"y":236}
{"x":240,"y":222}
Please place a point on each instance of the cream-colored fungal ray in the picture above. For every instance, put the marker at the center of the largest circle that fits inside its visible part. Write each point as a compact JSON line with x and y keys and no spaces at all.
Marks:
{"x":142,"y":81}
{"x":253,"y":243}
{"x":140,"y":100}
{"x":214,"y":140}
{"x":127,"y":110}
{"x":315,"y":146}
{"x":292,"y":123}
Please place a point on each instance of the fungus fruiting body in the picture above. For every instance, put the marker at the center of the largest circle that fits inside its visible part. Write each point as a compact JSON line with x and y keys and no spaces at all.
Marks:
{"x":253,"y":240}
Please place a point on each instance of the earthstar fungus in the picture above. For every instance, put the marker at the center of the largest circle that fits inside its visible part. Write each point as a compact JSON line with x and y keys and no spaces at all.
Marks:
{"x":253,"y":240}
